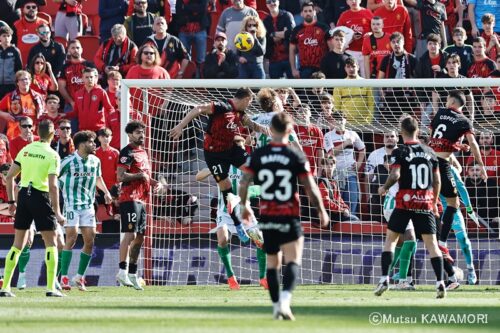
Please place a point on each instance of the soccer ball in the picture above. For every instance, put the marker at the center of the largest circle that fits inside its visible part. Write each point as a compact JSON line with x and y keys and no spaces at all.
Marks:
{"x":244,"y":41}
{"x":459,"y":273}
{"x":142,"y":282}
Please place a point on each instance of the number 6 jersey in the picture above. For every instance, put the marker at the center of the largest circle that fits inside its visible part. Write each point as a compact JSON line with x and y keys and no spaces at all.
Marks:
{"x":448,"y":128}
{"x":276,"y":168}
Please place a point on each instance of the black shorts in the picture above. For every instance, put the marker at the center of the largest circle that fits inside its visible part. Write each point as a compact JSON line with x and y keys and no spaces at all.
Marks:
{"x":423,"y":222}
{"x":34,"y":205}
{"x":133,"y":216}
{"x":448,"y":184}
{"x":219,"y":163}
{"x":276,"y":234}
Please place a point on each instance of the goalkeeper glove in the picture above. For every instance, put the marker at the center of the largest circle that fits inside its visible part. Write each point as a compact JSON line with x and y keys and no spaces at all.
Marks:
{"x":472,"y":215}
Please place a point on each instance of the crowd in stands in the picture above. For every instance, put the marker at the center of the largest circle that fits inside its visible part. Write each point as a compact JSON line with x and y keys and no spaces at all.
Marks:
{"x":64,"y":59}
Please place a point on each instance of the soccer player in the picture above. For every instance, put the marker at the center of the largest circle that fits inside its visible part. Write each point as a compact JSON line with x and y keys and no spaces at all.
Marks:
{"x":80,"y":175}
{"x":38,"y":200}
{"x":225,"y":120}
{"x":449,"y":126}
{"x":415,"y":168}
{"x":134,"y":172}
{"x":276,"y":168}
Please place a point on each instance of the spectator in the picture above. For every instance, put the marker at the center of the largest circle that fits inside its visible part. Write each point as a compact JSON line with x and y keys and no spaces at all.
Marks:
{"x":70,"y":78}
{"x":193,"y":20}
{"x":63,"y":145}
{"x":294,"y":8}
{"x":221,"y":63}
{"x":308,"y":41}
{"x":283,"y":94}
{"x":10,"y":61}
{"x":488,"y":115}
{"x":92,"y":105}
{"x":30,"y":102}
{"x":53,"y":51}
{"x":252,"y":62}
{"x":111,"y":12}
{"x":357,"y":103}
{"x":117,"y":53}
{"x":396,"y":19}
{"x":459,"y":47}
{"x":25,"y":136}
{"x":344,"y":144}
{"x":114,"y":120}
{"x":26,"y":26}
{"x":334,"y":204}
{"x":279,"y":25}
{"x":333,"y":63}
{"x":489,"y":155}
{"x":373,"y":5}
{"x":330,"y":11}
{"x":140,"y":24}
{"x":52,"y":104}
{"x":376,"y":45}
{"x":377,"y":157}
{"x":9,"y":12}
{"x":312,"y":97}
{"x":108,"y":156}
{"x":358,"y":20}
{"x":476,"y":9}
{"x":325,"y":119}
{"x":68,"y":22}
{"x":310,"y":138}
{"x":483,"y":194}
{"x":231,"y":19}
{"x":482,"y":65}
{"x":4,"y":150}
{"x":490,"y":36}
{"x":43,"y":78}
{"x":174,"y":56}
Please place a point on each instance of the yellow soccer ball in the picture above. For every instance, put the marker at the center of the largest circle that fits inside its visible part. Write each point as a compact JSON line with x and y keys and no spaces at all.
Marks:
{"x":244,"y":41}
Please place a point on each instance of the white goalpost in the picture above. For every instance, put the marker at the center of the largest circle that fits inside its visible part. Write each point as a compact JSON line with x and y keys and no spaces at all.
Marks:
{"x":181,"y":245}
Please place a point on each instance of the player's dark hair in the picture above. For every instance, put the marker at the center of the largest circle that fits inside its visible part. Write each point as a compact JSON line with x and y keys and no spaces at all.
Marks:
{"x":23,"y":118}
{"x":479,"y":40}
{"x":267,"y":99}
{"x":409,"y":125}
{"x":434,"y":38}
{"x":133,"y":125}
{"x":350,"y":61}
{"x":243,"y":93}
{"x":318,"y":75}
{"x":46,"y":129}
{"x":104,"y":132}
{"x":281,"y":121}
{"x":82,"y":137}
{"x":396,"y":36}
{"x":458,"y":96}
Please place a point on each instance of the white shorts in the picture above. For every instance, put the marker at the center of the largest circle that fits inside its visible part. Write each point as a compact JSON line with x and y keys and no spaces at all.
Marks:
{"x":80,"y":218}
{"x":226,"y":220}
{"x":389,"y":205}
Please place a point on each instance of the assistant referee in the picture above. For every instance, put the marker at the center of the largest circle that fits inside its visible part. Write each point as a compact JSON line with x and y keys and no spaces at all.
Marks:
{"x":38,"y":200}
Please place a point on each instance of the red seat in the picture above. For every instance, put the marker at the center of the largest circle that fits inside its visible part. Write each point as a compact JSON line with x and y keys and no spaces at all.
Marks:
{"x":51,"y":8}
{"x":90,"y":45}
{"x":46,"y":17}
{"x":95,"y":21}
{"x":91,"y":7}
{"x":61,"y":40}
{"x":190,"y":71}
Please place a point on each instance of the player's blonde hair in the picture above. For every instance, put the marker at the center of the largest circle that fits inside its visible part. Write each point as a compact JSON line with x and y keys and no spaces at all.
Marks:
{"x":267,"y":99}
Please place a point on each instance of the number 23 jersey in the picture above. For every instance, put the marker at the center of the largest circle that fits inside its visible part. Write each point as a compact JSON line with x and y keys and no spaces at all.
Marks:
{"x":276,"y":168}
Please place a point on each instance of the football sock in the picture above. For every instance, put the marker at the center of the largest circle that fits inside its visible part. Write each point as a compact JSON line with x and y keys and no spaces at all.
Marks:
{"x":84,"y":263}
{"x":290,"y":276}
{"x":66,"y":256}
{"x":405,"y":257}
{"x":437,"y":266}
{"x":449,"y":214}
{"x":448,"y":268}
{"x":59,"y":259}
{"x":10,"y":264}
{"x":262,"y":259}
{"x":225,"y":256}
{"x":123,"y":265}
{"x":24,"y":258}
{"x":274,"y":284}
{"x":132,"y":268}
{"x":51,"y":263}
{"x":235,"y":218}
{"x":386,"y":262}
{"x":397,"y":253}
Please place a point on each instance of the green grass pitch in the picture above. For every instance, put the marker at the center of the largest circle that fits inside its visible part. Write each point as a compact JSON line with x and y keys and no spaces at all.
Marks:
{"x":318,"y":308}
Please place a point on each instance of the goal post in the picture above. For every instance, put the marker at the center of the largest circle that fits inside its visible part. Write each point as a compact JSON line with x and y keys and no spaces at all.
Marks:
{"x":181,"y":245}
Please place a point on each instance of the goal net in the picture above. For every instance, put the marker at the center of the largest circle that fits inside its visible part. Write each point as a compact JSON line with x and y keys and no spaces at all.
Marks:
{"x":181,"y":243}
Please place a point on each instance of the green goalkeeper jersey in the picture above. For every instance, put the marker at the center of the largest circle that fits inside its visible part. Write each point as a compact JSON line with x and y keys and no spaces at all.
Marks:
{"x":78,"y":180}
{"x":264,"y":119}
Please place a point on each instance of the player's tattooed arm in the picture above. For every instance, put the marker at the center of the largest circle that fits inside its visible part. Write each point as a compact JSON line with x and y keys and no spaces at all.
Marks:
{"x":391,"y":180}
{"x":253,"y":126}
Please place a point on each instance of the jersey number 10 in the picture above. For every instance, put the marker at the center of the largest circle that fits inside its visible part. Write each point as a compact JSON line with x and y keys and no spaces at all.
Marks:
{"x":419,"y":176}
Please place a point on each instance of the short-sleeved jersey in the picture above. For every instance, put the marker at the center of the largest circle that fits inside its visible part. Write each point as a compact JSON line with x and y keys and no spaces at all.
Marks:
{"x":78,"y":179}
{"x":265,"y":119}
{"x":447,"y":130}
{"x":311,"y":140}
{"x":224,"y":123}
{"x":359,"y":22}
{"x":134,"y":160}
{"x":72,"y":73}
{"x":345,"y":158}
{"x":417,"y":164}
{"x":481,"y":68}
{"x":37,"y":161}
{"x":431,"y":17}
{"x":276,"y":168}
{"x":310,"y":42}
{"x":377,"y":49}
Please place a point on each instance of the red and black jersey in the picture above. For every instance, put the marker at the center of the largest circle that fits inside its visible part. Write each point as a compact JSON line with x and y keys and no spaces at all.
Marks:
{"x":223,"y":124}
{"x":311,"y":139}
{"x":311,"y":43}
{"x":134,"y":160}
{"x":417,"y":164}
{"x":481,"y":68}
{"x":276,"y":168}
{"x":448,"y":128}
{"x":432,"y":15}
{"x":71,"y":72}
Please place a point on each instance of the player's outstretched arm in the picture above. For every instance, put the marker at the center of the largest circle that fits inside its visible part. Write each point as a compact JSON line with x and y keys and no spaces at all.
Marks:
{"x":314,"y":194}
{"x":474,"y":147}
{"x":176,"y":132}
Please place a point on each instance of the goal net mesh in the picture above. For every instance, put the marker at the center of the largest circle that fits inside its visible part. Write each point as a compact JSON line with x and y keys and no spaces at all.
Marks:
{"x":181,"y":242}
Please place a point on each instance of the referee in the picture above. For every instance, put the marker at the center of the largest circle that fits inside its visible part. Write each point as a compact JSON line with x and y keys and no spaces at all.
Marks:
{"x":38,"y":200}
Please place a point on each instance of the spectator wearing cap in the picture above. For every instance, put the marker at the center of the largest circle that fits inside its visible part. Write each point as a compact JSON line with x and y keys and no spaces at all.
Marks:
{"x":221,"y":63}
{"x":53,"y":51}
{"x":231,"y":18}
{"x":140,"y":24}
{"x":333,"y":63}
{"x":308,"y":40}
{"x":111,"y":12}
{"x":396,"y":19}
{"x":68,"y":23}
{"x":26,"y":27}
{"x":10,"y":61}
{"x":279,"y":25}
{"x":117,"y":53}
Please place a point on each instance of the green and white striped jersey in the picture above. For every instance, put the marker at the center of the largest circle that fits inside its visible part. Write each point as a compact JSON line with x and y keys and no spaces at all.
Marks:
{"x":234,"y":176}
{"x":78,"y":179}
{"x":264,"y":119}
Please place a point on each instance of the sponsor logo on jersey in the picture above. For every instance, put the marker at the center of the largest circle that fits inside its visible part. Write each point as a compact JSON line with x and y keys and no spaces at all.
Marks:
{"x":311,"y":41}
{"x":83,"y":174}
